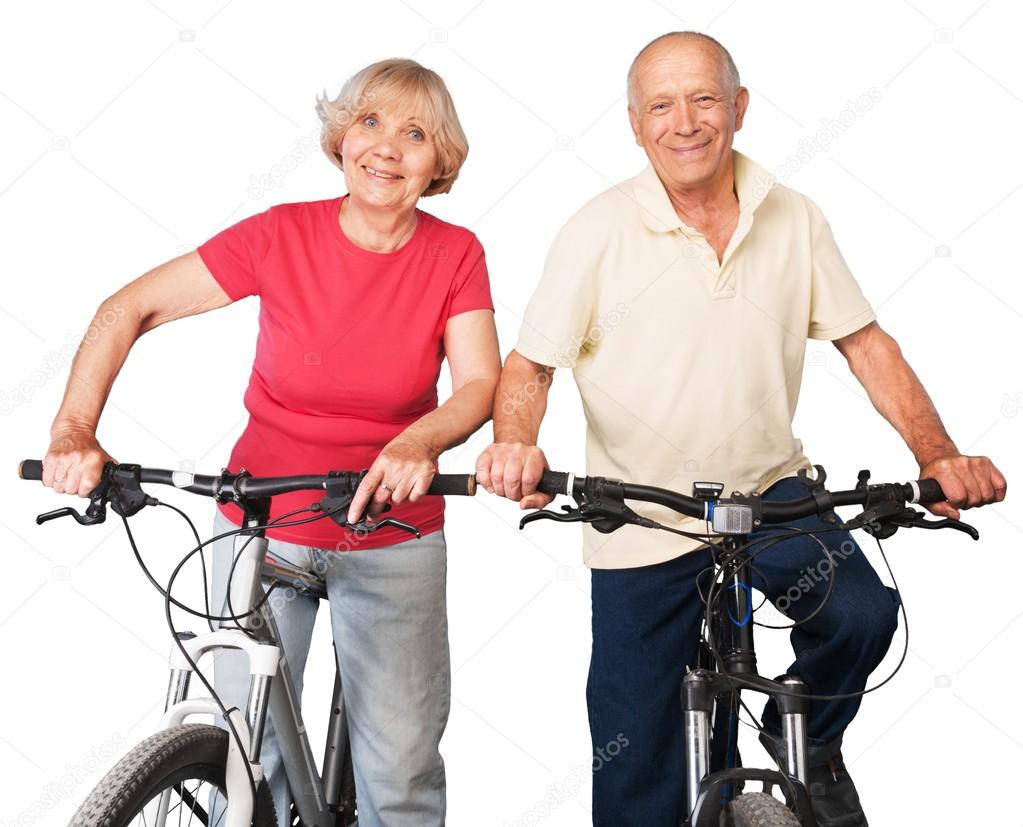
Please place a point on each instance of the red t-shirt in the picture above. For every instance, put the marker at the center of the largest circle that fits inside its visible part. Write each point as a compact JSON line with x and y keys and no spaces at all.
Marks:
{"x":349,"y":350}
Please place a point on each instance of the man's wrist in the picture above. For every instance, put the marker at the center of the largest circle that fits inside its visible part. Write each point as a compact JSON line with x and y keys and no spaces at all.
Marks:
{"x":928,"y":454}
{"x":513,"y":436}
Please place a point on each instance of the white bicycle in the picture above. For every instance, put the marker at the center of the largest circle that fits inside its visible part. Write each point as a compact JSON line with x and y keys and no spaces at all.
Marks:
{"x":187,"y":771}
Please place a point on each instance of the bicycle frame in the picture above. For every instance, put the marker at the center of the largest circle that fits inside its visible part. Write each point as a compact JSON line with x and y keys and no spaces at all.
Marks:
{"x":708,"y":789}
{"x":272,"y":690}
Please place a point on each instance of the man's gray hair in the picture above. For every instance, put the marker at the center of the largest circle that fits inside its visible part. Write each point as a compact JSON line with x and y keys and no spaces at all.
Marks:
{"x":726,"y":59}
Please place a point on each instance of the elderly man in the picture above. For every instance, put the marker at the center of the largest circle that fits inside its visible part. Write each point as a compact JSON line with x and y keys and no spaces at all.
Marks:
{"x":682,"y":300}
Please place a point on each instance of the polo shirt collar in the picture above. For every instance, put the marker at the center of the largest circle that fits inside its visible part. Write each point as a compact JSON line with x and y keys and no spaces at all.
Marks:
{"x":752,"y":183}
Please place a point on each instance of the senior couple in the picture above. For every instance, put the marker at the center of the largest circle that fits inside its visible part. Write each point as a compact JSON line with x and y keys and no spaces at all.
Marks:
{"x":725,"y":274}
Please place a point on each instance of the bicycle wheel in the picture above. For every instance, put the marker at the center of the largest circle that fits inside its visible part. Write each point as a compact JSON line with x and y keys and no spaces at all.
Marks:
{"x":758,"y":810}
{"x":188,"y":761}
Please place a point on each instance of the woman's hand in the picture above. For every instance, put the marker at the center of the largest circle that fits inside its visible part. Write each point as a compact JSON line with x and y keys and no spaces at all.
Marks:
{"x":74,"y":463}
{"x":402,"y":471}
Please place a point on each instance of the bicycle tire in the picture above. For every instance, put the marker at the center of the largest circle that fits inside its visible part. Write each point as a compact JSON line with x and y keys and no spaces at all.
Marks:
{"x":758,"y":810}
{"x":168,"y":760}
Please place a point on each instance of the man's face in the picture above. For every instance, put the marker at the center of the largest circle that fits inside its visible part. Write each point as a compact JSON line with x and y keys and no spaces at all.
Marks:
{"x":686,"y":112}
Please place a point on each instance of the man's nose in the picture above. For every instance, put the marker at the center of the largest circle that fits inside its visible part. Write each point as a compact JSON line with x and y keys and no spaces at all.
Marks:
{"x":685,"y":122}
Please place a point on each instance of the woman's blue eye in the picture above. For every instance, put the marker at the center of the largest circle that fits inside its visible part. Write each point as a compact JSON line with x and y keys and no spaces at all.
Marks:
{"x":416,"y":135}
{"x":369,"y":120}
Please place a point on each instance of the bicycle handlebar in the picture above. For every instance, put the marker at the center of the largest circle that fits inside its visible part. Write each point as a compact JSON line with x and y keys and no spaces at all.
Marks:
{"x":209,"y":486}
{"x":919,"y":491}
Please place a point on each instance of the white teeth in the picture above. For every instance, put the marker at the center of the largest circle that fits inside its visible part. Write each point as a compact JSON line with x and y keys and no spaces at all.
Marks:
{"x":377,"y":174}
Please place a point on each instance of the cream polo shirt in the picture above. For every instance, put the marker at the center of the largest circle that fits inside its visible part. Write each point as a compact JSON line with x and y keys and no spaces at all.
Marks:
{"x":688,"y":370}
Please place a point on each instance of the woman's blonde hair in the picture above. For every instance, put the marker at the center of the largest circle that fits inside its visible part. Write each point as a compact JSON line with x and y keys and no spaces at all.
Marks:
{"x":410,"y":83}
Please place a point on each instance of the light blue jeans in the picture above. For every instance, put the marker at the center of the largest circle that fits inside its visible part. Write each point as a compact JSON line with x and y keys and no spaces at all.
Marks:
{"x":388,"y":614}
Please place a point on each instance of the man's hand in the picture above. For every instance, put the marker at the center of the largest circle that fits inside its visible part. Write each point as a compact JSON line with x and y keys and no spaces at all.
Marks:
{"x":968,"y":482}
{"x":513,"y":470}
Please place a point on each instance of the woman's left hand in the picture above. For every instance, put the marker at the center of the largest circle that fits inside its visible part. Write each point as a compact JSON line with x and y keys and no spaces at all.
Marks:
{"x":403,"y":470}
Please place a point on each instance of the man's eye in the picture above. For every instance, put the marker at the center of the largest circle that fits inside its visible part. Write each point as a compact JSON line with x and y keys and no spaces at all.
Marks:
{"x":658,"y":106}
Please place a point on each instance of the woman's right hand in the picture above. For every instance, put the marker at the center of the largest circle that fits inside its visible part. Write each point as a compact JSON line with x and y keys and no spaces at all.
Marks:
{"x":74,"y":463}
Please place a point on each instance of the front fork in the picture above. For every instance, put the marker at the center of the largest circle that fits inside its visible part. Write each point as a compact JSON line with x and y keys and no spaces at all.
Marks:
{"x":699,"y":688}
{"x":246,"y":591}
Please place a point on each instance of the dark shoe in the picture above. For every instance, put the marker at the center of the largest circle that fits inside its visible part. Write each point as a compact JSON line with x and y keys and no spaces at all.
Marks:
{"x":833,"y":795}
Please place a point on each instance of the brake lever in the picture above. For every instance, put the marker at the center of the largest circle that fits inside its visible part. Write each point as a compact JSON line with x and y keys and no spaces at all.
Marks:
{"x":603,"y":514}
{"x":120,"y":485}
{"x":340,"y":493}
{"x":919,"y":520}
{"x":364,"y":526}
{"x":95,"y":513}
{"x":883,"y":520}
{"x":571,"y":515}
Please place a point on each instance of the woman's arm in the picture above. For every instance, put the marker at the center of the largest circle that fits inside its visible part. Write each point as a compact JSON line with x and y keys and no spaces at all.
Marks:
{"x":406,"y":464}
{"x":181,"y":287}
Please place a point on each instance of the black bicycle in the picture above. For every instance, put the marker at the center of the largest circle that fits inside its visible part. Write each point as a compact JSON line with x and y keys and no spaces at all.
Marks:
{"x":711,"y":700}
{"x":188,"y":772}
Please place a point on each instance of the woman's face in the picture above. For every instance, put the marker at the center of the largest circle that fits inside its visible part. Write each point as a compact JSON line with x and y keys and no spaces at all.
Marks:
{"x":388,"y":158}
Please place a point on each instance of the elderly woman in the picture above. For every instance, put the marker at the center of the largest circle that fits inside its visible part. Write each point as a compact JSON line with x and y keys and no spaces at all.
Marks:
{"x":361,"y":298}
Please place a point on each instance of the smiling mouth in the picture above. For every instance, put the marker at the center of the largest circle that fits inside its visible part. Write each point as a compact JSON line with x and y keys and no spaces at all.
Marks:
{"x":384,"y":176}
{"x":688,"y":149}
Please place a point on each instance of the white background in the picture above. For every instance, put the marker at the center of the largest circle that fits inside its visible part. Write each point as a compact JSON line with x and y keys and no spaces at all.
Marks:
{"x":133,"y":131}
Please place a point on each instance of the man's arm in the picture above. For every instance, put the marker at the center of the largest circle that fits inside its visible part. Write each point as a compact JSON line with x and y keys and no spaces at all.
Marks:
{"x":513,"y":465}
{"x":876,"y":361}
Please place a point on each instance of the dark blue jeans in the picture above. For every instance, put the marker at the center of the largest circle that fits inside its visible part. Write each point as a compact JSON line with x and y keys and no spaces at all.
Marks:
{"x":646,"y":626}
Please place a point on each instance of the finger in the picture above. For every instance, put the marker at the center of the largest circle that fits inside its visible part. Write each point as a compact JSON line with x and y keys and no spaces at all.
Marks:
{"x":513,"y":479}
{"x":983,"y":472}
{"x":943,"y":510}
{"x":1000,"y":484}
{"x":973,"y":489}
{"x":535,"y":501}
{"x":49,"y":471}
{"x":954,"y":488}
{"x":497,"y":477}
{"x":60,"y":478}
{"x":90,"y":479}
{"x":73,"y":481}
{"x":402,"y":488}
{"x":532,"y":471}
{"x":364,"y":492}
{"x":483,"y":464}
{"x":421,"y":486}
{"x":379,"y":499}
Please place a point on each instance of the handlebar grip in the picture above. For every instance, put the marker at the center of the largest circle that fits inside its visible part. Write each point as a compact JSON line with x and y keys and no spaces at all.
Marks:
{"x":553,"y":483}
{"x":30,"y":469}
{"x":930,"y":492}
{"x":457,"y":485}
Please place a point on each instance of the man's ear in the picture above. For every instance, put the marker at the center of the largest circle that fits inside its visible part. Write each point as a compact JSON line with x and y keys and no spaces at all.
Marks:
{"x":741,"y":105}
{"x":634,"y":123}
